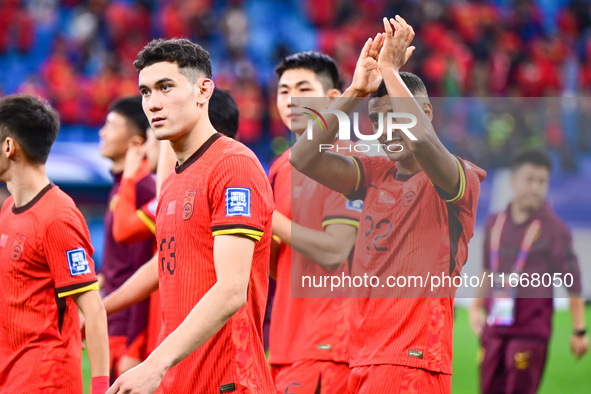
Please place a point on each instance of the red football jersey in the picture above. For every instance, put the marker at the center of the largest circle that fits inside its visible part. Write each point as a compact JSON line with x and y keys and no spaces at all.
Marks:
{"x":220,"y":189}
{"x":307,"y":328}
{"x":45,"y":256}
{"x":409,"y":227}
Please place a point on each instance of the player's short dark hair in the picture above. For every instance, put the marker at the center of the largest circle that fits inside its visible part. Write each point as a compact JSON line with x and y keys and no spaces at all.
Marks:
{"x":191,"y":59}
{"x":32,"y":122}
{"x":413,"y":83}
{"x":531,"y":156}
{"x":223,"y":112}
{"x":131,"y":109}
{"x":322,"y":65}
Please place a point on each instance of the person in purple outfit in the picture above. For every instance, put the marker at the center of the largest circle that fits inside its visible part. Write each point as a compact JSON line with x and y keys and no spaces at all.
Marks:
{"x":526,"y":240}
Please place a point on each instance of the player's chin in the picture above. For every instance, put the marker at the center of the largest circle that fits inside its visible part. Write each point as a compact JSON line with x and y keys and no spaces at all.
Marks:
{"x":297,"y":126}
{"x":397,"y":156}
{"x":162,"y":134}
{"x":535,"y":203}
{"x":104,"y":152}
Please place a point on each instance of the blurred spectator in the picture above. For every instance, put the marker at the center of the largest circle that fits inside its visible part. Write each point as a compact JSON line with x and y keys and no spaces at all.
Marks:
{"x":464,"y":48}
{"x":16,"y":26}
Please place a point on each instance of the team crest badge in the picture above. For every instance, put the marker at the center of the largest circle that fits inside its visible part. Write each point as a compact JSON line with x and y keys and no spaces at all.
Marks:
{"x":188,"y":204}
{"x":408,"y":198}
{"x":17,"y":247}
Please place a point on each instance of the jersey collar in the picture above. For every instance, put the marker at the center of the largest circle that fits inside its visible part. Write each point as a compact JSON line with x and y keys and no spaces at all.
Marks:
{"x":195,"y":156}
{"x":17,"y":210}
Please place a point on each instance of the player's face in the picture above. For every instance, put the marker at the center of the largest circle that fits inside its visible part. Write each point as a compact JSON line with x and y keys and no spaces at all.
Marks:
{"x":298,"y":83}
{"x":530,"y":184}
{"x":114,"y":137}
{"x":169,"y":101}
{"x":153,"y":150}
{"x":395,"y":148}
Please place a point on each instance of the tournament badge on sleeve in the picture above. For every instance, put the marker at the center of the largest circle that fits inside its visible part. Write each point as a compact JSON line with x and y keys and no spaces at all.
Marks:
{"x":502,"y":311}
{"x":237,"y":201}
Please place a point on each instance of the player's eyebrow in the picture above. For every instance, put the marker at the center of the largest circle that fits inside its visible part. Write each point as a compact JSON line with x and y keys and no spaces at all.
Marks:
{"x":158,"y":83}
{"x":300,"y":83}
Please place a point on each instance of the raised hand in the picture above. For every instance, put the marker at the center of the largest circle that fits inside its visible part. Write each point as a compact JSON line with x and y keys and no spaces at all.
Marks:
{"x":396,"y":51}
{"x":367,"y":77}
{"x":133,"y":161}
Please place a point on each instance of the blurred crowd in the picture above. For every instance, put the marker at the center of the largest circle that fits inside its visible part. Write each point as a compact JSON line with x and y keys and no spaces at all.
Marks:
{"x":79,"y":53}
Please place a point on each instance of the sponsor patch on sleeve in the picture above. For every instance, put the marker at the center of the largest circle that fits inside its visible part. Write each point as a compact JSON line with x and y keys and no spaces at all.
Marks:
{"x":356,"y":205}
{"x":237,"y":201}
{"x":77,"y":262}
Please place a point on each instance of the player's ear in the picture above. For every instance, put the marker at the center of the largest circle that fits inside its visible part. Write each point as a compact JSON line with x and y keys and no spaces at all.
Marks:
{"x":9,"y":147}
{"x":135,"y":140}
{"x":428,"y":110}
{"x":332,"y":93}
{"x":205,"y":87}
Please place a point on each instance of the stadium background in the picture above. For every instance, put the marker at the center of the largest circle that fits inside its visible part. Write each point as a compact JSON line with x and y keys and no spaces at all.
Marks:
{"x":78,"y":54}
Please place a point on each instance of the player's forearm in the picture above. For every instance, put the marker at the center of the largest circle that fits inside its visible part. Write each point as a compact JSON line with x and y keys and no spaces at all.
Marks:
{"x":306,"y":153}
{"x":97,"y":339}
{"x":478,"y":301}
{"x":210,"y":314}
{"x":577,"y":311}
{"x":404,"y":102}
{"x":137,"y":288}
{"x":282,"y":227}
{"x":125,"y":220}
{"x":319,"y":246}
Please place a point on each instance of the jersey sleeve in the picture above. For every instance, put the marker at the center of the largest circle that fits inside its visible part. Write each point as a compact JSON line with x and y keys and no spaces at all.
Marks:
{"x":69,"y":256}
{"x":131,"y":224}
{"x":365,"y":166}
{"x":338,"y":210}
{"x":240,"y":198}
{"x":470,"y":178}
{"x":564,"y":258}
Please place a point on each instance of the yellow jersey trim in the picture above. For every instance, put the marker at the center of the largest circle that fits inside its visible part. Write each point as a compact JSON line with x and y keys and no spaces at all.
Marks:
{"x":462,"y":182}
{"x":350,"y":222}
{"x":93,"y":286}
{"x":147,"y":221}
{"x":256,"y":235}
{"x":358,"y":173}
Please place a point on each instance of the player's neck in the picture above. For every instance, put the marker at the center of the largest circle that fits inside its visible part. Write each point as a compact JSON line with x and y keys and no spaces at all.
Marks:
{"x":118,"y":166}
{"x":518,"y":215}
{"x":188,"y":144}
{"x":408,"y":167}
{"x":26,"y":183}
